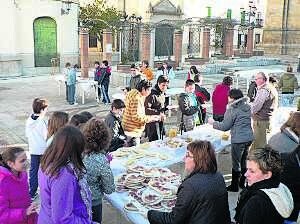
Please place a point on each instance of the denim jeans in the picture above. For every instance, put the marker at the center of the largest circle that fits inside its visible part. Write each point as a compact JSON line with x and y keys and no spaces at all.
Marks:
{"x":104,"y":89}
{"x":71,"y":94}
{"x":97,"y":213}
{"x":287,"y":99}
{"x":33,"y":174}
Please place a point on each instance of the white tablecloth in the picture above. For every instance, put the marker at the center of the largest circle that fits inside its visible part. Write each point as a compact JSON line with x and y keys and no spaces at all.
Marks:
{"x":204,"y":132}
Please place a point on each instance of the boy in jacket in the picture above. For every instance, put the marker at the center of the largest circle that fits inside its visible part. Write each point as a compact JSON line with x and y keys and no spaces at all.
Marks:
{"x":113,"y":122}
{"x":36,"y":133}
{"x":155,"y":104}
{"x":189,"y":107}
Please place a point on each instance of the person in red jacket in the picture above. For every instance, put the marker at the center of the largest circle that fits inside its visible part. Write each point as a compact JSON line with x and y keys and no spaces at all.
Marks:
{"x":220,"y":98}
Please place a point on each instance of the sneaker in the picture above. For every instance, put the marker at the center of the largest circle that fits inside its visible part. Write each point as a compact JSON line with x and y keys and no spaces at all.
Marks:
{"x":75,"y":104}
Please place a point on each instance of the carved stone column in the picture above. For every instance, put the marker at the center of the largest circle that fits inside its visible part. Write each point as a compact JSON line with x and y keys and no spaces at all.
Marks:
{"x":250,"y":37}
{"x":107,"y":45}
{"x":206,"y":43}
{"x":84,"y":52}
{"x":228,"y":45}
{"x":178,"y":46}
{"x":145,"y":44}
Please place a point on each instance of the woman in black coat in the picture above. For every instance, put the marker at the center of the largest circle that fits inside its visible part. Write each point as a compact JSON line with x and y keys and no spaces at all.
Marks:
{"x":202,"y":197}
{"x":264,"y":200}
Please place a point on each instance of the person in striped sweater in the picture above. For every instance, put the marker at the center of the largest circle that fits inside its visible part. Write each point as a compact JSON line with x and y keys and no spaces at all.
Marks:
{"x":134,"y":117}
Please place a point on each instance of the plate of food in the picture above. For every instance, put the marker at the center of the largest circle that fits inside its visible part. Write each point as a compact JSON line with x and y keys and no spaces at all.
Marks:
{"x":168,"y":204}
{"x":131,"y":207}
{"x":134,"y":178}
{"x":174,"y":143}
{"x":163,"y":171}
{"x":120,"y":179}
{"x":151,"y":172}
{"x":151,"y":197}
{"x":135,"y":169}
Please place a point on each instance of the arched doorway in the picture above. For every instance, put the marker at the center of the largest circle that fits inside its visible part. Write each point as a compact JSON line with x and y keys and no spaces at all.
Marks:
{"x":164,"y":40}
{"x":45,"y":41}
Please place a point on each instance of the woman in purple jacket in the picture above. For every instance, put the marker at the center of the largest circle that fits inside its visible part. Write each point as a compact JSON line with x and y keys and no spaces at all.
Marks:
{"x":65,"y":195}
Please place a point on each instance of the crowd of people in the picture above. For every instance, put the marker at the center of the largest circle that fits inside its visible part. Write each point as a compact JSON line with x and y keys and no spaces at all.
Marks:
{"x":70,"y":160}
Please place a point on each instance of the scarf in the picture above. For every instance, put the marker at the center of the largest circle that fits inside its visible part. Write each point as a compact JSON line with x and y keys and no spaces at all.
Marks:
{"x":84,"y":189}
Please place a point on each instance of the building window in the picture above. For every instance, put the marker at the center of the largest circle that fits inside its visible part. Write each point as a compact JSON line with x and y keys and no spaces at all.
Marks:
{"x":257,"y":38}
{"x":92,"y":41}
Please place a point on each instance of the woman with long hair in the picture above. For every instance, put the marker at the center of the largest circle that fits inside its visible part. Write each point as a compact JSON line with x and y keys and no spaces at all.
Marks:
{"x":202,"y":197}
{"x":194,"y":71}
{"x":65,"y":195}
{"x":57,"y":120}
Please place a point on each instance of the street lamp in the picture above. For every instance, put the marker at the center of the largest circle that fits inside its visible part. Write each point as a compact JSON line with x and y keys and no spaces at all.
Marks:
{"x":253,"y":17}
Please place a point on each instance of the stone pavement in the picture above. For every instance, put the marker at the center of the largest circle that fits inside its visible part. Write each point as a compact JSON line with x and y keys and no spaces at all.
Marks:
{"x":16,"y":96}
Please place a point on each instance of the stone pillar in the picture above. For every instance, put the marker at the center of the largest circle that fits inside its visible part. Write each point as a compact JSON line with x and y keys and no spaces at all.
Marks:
{"x":107,"y":45}
{"x":228,"y":45}
{"x":84,"y":52}
{"x":177,"y":46}
{"x":206,"y":43}
{"x":250,"y":37}
{"x":145,"y":44}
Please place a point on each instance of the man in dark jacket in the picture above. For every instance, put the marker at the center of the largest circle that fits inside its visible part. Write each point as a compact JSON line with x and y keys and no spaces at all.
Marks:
{"x":189,"y":107}
{"x":104,"y":81}
{"x":288,"y":83}
{"x":155,"y":104}
{"x":135,"y":77}
{"x":113,"y":121}
{"x":252,"y":91}
{"x":202,"y":95}
{"x":97,"y":74}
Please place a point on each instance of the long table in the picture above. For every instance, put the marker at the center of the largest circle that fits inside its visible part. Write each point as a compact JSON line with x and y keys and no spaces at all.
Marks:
{"x":204,"y":132}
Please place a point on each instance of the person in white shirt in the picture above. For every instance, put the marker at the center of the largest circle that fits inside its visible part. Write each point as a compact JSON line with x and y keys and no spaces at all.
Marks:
{"x":36,"y":133}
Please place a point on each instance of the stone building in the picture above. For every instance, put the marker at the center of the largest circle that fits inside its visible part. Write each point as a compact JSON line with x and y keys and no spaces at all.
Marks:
{"x":35,"y":31}
{"x":282,"y":27}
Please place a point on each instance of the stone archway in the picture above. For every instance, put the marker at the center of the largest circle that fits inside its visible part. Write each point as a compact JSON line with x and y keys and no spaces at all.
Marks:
{"x":45,"y":41}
